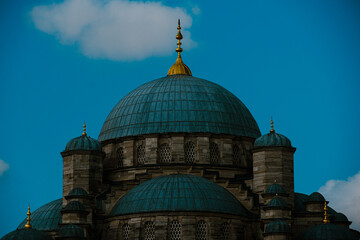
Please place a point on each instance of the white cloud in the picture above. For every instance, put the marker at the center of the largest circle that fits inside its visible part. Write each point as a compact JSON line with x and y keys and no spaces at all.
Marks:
{"x":344,"y":197}
{"x":115,"y":29}
{"x":3,"y":167}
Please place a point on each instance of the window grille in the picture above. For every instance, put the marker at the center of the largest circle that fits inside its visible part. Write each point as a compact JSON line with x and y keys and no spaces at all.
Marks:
{"x":164,"y":153}
{"x":225,"y":231}
{"x":149,"y":230}
{"x":120,"y":157}
{"x":141,"y":155}
{"x":201,"y":230}
{"x":126,"y":231}
{"x":175,"y":230}
{"x":189,"y":152}
{"x":236,"y":155}
{"x":214,"y":153}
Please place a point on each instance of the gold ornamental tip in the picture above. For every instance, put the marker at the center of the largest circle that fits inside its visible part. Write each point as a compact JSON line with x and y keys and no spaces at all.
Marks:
{"x":272,"y":126}
{"x":28,"y":224}
{"x":84,"y":128}
{"x":326,"y":220}
{"x":179,"y":67}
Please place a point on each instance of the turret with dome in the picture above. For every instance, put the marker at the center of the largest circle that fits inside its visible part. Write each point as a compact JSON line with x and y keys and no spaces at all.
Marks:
{"x":181,"y":157}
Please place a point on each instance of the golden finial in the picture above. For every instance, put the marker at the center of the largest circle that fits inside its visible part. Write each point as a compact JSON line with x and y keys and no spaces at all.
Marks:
{"x":326,"y":220}
{"x":272,"y":126}
{"x":84,"y":132}
{"x":28,"y":225}
{"x":179,"y":67}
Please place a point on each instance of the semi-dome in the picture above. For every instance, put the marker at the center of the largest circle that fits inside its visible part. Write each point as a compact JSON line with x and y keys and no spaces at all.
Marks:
{"x":277,"y":226}
{"x":47,"y":217}
{"x":26,"y":234}
{"x":78,"y":192}
{"x":84,"y":142}
{"x":327,"y":231}
{"x":277,"y":202}
{"x":275,"y":189}
{"x":178,"y":192}
{"x":75,"y":206}
{"x":315,"y":197}
{"x":272,"y":139}
{"x":179,"y":103}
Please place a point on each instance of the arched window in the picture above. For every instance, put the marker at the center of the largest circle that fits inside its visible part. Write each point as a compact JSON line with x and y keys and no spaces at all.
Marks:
{"x":126,"y":231}
{"x":141,"y":155}
{"x":214,"y":153}
{"x":175,"y":230}
{"x":120,"y":157}
{"x":225,"y":229}
{"x":201,"y":230}
{"x":149,"y":230}
{"x":189,"y":152}
{"x":164,"y":153}
{"x":236,"y":155}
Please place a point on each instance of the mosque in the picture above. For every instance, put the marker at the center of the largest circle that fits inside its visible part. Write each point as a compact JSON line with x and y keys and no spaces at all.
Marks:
{"x":182,"y":158}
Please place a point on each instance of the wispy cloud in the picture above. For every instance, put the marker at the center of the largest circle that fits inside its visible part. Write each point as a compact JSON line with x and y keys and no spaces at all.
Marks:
{"x":115,"y":29}
{"x":3,"y":167}
{"x":344,"y":196}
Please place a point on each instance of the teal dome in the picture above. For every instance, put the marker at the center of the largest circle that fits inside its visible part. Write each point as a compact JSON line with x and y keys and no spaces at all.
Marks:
{"x":71,"y":230}
{"x":178,"y":192}
{"x":315,"y":197}
{"x":83,"y":143}
{"x":75,"y":206}
{"x":275,"y":189}
{"x":339,"y":218}
{"x":277,"y":202}
{"x":278,"y":226}
{"x":272,"y":140}
{"x":26,"y":234}
{"x":179,"y":103}
{"x":47,"y":217}
{"x":78,"y":192}
{"x":327,"y":232}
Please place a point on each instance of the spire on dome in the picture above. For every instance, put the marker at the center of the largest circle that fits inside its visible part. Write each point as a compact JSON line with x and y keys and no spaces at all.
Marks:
{"x":28,"y":224}
{"x":326,"y":220}
{"x":84,"y":132}
{"x":272,"y":126}
{"x":179,"y":67}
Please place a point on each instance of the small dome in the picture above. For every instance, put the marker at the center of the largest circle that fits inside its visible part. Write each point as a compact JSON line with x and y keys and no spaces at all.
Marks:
{"x":275,"y":189}
{"x":78,"y":192}
{"x":71,"y":230}
{"x":278,"y":226}
{"x":315,"y":197}
{"x":47,"y":217}
{"x":178,"y":192}
{"x":26,"y":234}
{"x":327,"y":231}
{"x":83,"y":143}
{"x":272,"y":139}
{"x":75,"y":206}
{"x":340,"y":218}
{"x":277,"y":202}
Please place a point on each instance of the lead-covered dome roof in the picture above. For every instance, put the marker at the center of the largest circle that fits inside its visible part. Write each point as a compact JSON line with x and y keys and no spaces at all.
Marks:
{"x":26,"y":234}
{"x":178,"y":192}
{"x":179,"y":103}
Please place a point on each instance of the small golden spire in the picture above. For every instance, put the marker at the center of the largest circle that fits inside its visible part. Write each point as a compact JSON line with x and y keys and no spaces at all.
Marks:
{"x":179,"y":67}
{"x":28,"y":225}
{"x":272,"y":126}
{"x":326,"y":220}
{"x":84,"y":132}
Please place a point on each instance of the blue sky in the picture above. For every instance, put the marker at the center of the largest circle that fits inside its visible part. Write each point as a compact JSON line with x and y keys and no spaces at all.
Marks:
{"x":298,"y":61}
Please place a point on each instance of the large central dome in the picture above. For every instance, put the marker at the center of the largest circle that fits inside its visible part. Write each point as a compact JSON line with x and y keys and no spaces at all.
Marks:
{"x":179,"y":103}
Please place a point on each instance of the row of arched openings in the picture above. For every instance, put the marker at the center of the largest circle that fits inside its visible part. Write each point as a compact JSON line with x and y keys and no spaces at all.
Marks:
{"x":175,"y":231}
{"x":165,"y":156}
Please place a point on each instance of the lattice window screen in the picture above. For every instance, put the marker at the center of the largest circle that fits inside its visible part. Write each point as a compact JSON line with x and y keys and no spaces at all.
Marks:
{"x":225,"y":229}
{"x":201,"y":230}
{"x":164,"y":153}
{"x":236,"y":155}
{"x":126,"y":231}
{"x":141,"y":155}
{"x":120,"y":157}
{"x":214,"y":153}
{"x":175,"y":230}
{"x":149,"y":231}
{"x":189,"y":152}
